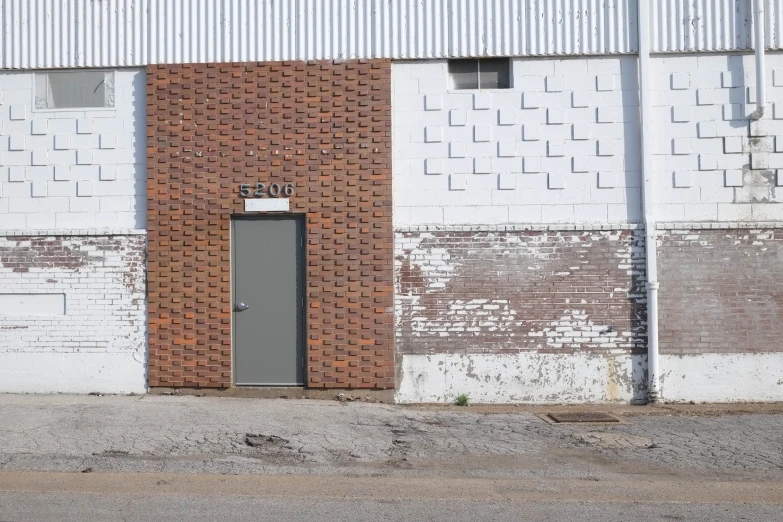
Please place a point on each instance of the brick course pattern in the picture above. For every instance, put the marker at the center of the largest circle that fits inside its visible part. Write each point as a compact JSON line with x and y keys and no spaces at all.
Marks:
{"x":511,"y":291}
{"x":720,"y":291}
{"x":102,"y":279}
{"x":326,"y":128}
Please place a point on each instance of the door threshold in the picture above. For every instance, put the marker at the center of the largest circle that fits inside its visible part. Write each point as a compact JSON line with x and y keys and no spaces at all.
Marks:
{"x":269,"y":386}
{"x":283,"y":392}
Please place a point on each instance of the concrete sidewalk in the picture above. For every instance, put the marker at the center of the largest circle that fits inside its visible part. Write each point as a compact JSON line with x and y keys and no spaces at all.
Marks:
{"x":185,"y":434}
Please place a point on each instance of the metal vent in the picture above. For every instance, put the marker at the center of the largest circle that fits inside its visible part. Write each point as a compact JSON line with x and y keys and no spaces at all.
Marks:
{"x":584,"y":416}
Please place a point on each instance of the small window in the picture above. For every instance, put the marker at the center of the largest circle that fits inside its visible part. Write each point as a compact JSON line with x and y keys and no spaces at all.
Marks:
{"x":74,"y":90}
{"x":485,"y":73}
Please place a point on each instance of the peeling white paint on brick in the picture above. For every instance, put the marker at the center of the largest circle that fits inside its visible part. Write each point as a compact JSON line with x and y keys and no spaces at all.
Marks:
{"x":99,"y":344}
{"x":429,"y":302}
{"x":536,"y":378}
{"x":575,"y":328}
{"x":715,"y":175}
{"x":527,"y":377}
{"x":86,"y":245}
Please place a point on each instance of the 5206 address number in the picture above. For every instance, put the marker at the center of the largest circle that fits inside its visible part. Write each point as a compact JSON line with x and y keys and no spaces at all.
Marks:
{"x":260,"y":190}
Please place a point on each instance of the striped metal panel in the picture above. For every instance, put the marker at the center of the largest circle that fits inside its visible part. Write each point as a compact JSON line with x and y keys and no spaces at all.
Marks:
{"x":711,"y":25}
{"x":73,"y":33}
{"x":775,"y":24}
{"x":105,"y":33}
{"x":102,"y":33}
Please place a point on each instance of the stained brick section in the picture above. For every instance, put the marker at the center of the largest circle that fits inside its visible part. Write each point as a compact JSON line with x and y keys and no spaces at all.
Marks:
{"x":323,"y":126}
{"x":509,"y":291}
{"x":23,"y":253}
{"x":721,"y":291}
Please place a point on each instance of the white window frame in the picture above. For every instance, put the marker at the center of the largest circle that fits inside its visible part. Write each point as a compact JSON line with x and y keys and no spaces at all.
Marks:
{"x":34,"y":103}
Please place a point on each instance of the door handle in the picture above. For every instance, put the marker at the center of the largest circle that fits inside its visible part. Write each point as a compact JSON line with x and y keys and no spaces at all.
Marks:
{"x":241,"y":307}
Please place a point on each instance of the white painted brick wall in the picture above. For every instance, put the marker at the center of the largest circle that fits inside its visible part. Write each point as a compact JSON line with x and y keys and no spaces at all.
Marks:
{"x":72,"y":169}
{"x":562,"y":146}
{"x":99,"y":344}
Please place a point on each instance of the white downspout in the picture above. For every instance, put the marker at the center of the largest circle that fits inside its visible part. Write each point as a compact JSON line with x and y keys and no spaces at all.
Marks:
{"x":648,"y":199}
{"x":761,"y":68}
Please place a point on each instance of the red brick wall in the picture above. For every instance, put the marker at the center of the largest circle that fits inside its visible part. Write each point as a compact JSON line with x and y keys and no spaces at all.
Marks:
{"x":324,"y":127}
{"x":721,"y":291}
{"x":507,"y":291}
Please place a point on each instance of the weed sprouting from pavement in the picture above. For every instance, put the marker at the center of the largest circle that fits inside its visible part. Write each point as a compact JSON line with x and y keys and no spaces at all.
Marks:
{"x":462,"y":400}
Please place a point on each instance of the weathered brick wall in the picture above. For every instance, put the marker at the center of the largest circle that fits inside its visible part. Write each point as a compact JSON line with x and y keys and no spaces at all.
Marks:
{"x":96,"y":340}
{"x":324,"y":126}
{"x":720,"y":291}
{"x":504,"y":291}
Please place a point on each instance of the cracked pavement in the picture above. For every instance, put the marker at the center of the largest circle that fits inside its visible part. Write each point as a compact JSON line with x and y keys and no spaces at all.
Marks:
{"x":185,"y":434}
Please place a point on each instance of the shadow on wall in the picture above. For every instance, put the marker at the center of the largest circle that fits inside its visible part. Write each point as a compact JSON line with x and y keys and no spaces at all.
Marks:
{"x":139,"y":101}
{"x":629,"y":87}
{"x":629,"y":84}
{"x":639,"y":379}
{"x":735,"y":63}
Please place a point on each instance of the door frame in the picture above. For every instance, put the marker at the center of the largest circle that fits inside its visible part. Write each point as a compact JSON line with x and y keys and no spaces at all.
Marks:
{"x":301,"y":224}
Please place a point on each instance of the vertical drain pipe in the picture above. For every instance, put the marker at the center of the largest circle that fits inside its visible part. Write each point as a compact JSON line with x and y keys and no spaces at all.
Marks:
{"x":648,"y":198}
{"x":761,"y":67}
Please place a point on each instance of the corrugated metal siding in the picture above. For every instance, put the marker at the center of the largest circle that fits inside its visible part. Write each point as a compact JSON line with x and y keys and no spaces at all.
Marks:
{"x":73,"y":33}
{"x":100,"y":33}
{"x":775,"y":24}
{"x":541,"y":27}
{"x":711,"y":25}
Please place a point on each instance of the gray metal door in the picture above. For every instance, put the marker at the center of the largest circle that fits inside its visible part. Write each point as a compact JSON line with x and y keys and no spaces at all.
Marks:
{"x":268,"y":301}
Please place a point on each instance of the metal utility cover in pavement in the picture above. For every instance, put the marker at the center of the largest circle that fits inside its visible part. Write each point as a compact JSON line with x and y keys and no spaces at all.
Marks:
{"x":589,"y":416}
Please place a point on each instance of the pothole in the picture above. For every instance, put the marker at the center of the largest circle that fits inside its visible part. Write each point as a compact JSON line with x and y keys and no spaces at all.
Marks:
{"x":112,"y":453}
{"x":603,"y":439}
{"x":256,"y":440}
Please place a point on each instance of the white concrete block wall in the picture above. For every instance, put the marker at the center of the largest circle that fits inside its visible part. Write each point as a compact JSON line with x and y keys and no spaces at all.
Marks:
{"x":712,"y":163}
{"x":72,"y":241}
{"x":72,"y":314}
{"x":63,"y":169}
{"x":560,"y":146}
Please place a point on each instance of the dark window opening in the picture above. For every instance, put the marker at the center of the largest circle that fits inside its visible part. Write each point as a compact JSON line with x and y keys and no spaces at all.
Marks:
{"x":484,"y":73}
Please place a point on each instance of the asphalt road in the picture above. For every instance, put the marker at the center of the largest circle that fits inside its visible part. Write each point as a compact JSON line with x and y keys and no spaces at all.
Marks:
{"x":206,"y":435}
{"x":64,"y":497}
{"x":158,"y":458}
